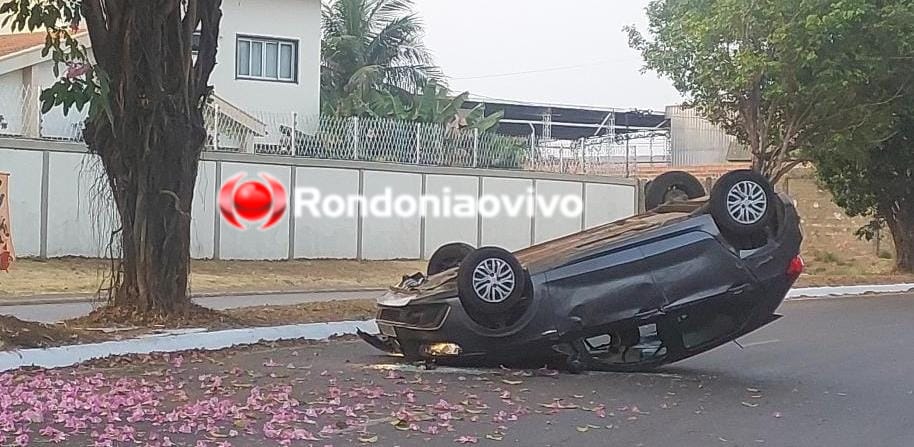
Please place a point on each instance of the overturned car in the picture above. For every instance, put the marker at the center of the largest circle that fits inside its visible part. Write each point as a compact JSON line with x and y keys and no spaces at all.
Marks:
{"x":691,"y":274}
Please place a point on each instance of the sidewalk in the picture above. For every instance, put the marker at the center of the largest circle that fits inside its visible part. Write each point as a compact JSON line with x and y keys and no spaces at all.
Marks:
{"x":53,"y":309}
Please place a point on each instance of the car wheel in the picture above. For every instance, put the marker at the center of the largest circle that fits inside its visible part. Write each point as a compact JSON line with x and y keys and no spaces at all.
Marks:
{"x":742,"y":203}
{"x":670,"y":187}
{"x":447,"y":257}
{"x":490,"y":281}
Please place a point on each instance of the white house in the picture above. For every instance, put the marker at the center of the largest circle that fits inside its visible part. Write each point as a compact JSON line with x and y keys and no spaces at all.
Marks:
{"x":268,"y":63}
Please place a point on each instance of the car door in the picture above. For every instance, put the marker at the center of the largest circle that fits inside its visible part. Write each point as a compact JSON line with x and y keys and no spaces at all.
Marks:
{"x":601,"y":287}
{"x":691,"y":265}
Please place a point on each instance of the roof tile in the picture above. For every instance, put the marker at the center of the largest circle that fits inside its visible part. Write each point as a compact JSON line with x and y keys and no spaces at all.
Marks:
{"x":13,"y":43}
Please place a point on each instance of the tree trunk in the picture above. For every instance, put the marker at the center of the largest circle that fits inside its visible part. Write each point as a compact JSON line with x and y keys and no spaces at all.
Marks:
{"x":153,"y":195}
{"x":150,"y":137}
{"x":901,"y":224}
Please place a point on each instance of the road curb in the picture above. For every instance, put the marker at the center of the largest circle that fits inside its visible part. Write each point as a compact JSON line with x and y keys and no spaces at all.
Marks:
{"x":31,"y":300}
{"x":846,"y":291}
{"x":63,"y":356}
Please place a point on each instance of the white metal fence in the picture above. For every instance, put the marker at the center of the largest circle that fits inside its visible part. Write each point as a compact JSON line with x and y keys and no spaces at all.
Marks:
{"x":620,"y":155}
{"x":374,"y":139}
{"x":233,"y":129}
{"x":365,"y":139}
{"x":20,"y":116}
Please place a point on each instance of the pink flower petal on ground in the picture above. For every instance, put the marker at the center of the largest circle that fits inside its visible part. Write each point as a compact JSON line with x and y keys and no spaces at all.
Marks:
{"x":467,"y":440}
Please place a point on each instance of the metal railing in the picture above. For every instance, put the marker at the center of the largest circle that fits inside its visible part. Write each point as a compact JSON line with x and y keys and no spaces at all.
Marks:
{"x":20,"y":116}
{"x":383,"y":140}
{"x":232,"y":129}
{"x":364,"y":139}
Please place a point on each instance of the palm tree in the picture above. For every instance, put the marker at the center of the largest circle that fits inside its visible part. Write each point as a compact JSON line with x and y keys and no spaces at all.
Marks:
{"x":371,"y":46}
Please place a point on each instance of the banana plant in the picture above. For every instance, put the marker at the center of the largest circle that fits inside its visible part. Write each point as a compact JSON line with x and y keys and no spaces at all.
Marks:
{"x":434,"y":105}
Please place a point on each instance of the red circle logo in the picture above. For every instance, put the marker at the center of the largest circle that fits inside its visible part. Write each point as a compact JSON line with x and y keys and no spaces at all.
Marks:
{"x":252,"y":200}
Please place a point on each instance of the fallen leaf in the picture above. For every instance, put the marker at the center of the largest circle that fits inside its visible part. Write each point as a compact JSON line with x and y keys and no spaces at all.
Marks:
{"x":582,"y":429}
{"x":369,"y":439}
{"x":512,"y":382}
{"x":495,"y":436}
{"x":558,"y":405}
{"x":467,"y":440}
{"x":748,"y":404}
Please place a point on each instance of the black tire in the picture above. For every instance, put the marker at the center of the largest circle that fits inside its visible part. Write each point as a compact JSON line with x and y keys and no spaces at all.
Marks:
{"x":447,"y":257}
{"x":746,"y":217}
{"x":497,"y":299}
{"x":672,"y":186}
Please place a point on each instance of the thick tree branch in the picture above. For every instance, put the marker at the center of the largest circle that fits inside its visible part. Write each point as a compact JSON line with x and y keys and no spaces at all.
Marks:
{"x":98,"y":33}
{"x":210,"y":13}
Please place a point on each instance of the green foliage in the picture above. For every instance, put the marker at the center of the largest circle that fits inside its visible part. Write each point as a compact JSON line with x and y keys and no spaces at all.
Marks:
{"x":433,"y":105}
{"x":82,"y":83}
{"x":786,"y":77}
{"x":371,"y":47}
{"x":872,"y":228}
{"x":876,"y":179}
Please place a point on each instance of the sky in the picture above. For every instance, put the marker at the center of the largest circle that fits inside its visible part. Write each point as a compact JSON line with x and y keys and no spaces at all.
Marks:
{"x":553,"y":51}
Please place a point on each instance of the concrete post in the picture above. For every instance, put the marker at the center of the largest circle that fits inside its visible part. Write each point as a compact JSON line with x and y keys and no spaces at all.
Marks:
{"x":475,"y":147}
{"x":294,"y":143}
{"x":418,"y":150}
{"x":216,"y":126}
{"x":355,"y":137}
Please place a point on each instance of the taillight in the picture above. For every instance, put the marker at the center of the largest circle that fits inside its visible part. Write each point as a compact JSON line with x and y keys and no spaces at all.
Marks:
{"x":795,"y":268}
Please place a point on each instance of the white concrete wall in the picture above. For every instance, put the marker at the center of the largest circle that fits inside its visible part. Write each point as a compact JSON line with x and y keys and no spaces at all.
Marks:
{"x":396,"y":237}
{"x":285,"y":19}
{"x":511,"y":233}
{"x":272,"y":243}
{"x":606,"y":203}
{"x":25,"y":198}
{"x":80,"y":211}
{"x":551,"y":222}
{"x":204,"y":212}
{"x":326,"y":237}
{"x":440,"y":230}
{"x":74,"y":228}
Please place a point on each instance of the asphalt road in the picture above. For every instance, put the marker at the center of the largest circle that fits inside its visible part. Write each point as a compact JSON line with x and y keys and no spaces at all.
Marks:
{"x":64,"y":310}
{"x":832,"y":372}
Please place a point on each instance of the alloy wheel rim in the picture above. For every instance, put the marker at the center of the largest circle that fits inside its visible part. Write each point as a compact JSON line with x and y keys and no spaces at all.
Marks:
{"x":493,"y":280}
{"x":747,"y":202}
